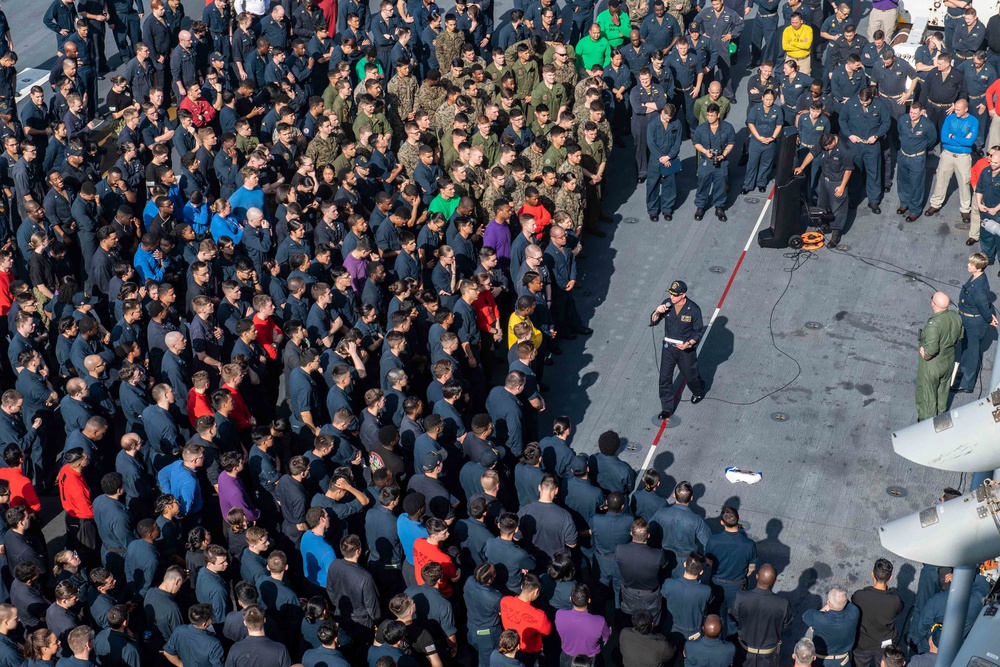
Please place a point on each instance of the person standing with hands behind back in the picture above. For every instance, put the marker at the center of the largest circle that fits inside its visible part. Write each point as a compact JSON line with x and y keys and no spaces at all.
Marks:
{"x":682,"y":331}
{"x":975,"y":308}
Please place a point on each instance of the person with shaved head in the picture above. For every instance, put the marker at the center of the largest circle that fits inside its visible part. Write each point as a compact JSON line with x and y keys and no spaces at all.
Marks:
{"x":938,"y":339}
{"x":710,"y":649}
{"x":761,"y":617}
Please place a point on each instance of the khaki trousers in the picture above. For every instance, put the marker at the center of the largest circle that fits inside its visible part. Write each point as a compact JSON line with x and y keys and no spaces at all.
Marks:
{"x":960,"y":166}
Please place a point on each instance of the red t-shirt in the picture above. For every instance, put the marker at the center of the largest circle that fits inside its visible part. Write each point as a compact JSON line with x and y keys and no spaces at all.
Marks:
{"x":542,"y":218}
{"x":424,"y":552}
{"x":530,"y":622}
{"x":74,"y":494}
{"x":21,"y":490}
{"x":198,"y":405}
{"x":6,"y":298}
{"x":241,"y":413}
{"x":265,"y":335}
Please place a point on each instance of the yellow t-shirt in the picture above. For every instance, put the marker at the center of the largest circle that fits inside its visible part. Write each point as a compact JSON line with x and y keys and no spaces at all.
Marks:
{"x":536,"y":334}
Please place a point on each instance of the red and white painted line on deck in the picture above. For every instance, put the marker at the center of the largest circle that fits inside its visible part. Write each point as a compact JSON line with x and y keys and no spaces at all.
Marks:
{"x":715,"y":315}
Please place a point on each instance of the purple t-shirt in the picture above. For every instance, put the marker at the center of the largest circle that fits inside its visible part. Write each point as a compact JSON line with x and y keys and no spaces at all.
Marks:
{"x":497,"y":236}
{"x":232,"y":494}
{"x":358,"y":268}
{"x":581,"y":632}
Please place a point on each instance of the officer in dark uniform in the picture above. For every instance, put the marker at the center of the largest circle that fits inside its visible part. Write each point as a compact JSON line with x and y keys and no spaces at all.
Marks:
{"x":765,"y":37}
{"x":978,"y":74}
{"x":682,"y":331}
{"x":482,"y":604}
{"x":761,"y":616}
{"x":709,"y":650}
{"x":611,"y":530}
{"x":678,"y":529}
{"x":218,"y":16}
{"x":865,"y":122}
{"x":664,"y":138}
{"x":890,"y":74}
{"x":954,"y":17}
{"x":125,"y":24}
{"x":811,"y":126}
{"x":974,"y":304}
{"x":836,"y":168}
{"x":763,"y":80}
{"x":686,"y":599}
{"x":968,"y":37}
{"x":835,"y":627}
{"x":640,"y":566}
{"x":647,"y":100}
{"x":766,"y":120}
{"x":583,"y":500}
{"x":734,"y":558}
{"x":916,"y":136}
{"x":713,"y":140}
{"x":385,"y":553}
{"x":689,"y":75}
{"x":941,"y":89}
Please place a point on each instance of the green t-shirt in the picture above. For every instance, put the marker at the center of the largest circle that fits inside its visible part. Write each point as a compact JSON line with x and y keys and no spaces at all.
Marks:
{"x":590,"y":53}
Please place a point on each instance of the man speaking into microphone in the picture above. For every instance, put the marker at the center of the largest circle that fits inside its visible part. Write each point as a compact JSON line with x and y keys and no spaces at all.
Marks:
{"x":682,"y":330}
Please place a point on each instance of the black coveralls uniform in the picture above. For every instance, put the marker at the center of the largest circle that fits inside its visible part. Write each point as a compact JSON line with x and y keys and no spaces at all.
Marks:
{"x":684,"y":325}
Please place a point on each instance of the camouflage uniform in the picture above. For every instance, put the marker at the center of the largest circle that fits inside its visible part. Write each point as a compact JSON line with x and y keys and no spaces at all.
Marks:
{"x":567,"y":76}
{"x":577,"y":170}
{"x":548,"y":195}
{"x":447,"y":47}
{"x":637,"y":10}
{"x":516,"y":195}
{"x":679,"y":13}
{"x":603,"y":129}
{"x":408,"y":156}
{"x":401,"y":94}
{"x":572,"y":203}
{"x":491,"y":194}
{"x":535,"y":161}
{"x":476,"y":178}
{"x":444,"y":117}
{"x":429,"y":98}
{"x":323,"y":151}
{"x":593,"y":155}
{"x":579,"y":93}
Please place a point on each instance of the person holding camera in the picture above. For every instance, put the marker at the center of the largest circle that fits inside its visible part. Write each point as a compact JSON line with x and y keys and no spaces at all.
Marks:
{"x":713,"y":142}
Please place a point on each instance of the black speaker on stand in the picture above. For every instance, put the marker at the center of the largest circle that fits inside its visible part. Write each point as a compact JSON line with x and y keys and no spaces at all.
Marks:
{"x":786,"y":213}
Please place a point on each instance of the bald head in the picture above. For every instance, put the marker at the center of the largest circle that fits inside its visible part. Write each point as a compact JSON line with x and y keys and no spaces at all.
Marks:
{"x":712,"y":627}
{"x":766,"y":576}
{"x":174,"y":340}
{"x":76,"y":386}
{"x":940,"y":302}
{"x":715,"y":88}
{"x":92,"y":362}
{"x":254,"y":213}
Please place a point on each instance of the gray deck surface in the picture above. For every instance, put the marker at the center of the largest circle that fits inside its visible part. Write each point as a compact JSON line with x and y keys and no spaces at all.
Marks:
{"x":825,"y":470}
